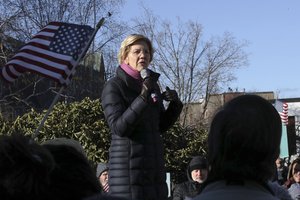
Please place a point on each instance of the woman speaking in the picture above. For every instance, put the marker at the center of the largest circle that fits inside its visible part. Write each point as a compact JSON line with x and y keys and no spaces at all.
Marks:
{"x":134,"y":109}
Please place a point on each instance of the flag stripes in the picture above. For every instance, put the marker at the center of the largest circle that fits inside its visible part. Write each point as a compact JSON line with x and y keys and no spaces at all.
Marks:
{"x":284,"y":114}
{"x":282,"y":108}
{"x":52,"y":52}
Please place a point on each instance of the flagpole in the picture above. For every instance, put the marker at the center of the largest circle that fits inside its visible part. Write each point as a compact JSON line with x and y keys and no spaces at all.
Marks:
{"x":100,"y":23}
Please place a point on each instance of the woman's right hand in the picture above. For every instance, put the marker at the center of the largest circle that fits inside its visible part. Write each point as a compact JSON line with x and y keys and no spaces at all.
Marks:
{"x":147,"y":88}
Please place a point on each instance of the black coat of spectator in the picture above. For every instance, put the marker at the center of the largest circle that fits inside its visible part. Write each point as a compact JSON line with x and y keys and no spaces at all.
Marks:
{"x":191,"y":188}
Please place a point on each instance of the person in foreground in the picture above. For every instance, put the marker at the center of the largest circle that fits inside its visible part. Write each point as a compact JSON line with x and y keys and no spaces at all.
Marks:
{"x":25,"y":169}
{"x":196,"y":174}
{"x":243,"y":144}
{"x":134,"y":109}
{"x":73,"y":177}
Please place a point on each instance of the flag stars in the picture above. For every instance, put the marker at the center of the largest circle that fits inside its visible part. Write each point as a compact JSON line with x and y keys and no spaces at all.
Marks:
{"x":70,"y":39}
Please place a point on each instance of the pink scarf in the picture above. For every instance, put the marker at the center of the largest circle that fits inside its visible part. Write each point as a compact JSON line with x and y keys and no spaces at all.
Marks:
{"x":131,"y":72}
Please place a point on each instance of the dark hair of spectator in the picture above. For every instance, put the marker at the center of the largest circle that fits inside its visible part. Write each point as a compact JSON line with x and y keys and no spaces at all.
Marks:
{"x":73,"y":178}
{"x":25,"y":168}
{"x":290,"y":172}
{"x":244,"y":140}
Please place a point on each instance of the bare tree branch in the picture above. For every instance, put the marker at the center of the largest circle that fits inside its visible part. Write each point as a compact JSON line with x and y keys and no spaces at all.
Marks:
{"x":194,"y":67}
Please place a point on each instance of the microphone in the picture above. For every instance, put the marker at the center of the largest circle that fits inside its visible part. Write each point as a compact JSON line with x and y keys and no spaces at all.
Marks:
{"x":145,"y":73}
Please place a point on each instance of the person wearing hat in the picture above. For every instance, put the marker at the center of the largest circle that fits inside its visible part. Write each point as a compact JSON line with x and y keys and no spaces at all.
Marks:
{"x":196,"y":174}
{"x":102,"y":175}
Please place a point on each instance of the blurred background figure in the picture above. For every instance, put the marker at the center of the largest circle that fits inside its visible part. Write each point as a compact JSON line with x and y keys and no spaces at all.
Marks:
{"x":282,"y":171}
{"x":196,"y":175}
{"x":102,"y":175}
{"x":293,"y":182}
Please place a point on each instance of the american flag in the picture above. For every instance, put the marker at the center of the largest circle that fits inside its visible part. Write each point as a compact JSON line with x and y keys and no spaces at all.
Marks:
{"x":52,"y":52}
{"x":105,"y":187}
{"x":282,"y":108}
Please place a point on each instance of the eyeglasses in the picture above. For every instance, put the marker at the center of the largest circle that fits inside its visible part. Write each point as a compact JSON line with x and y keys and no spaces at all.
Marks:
{"x":139,"y":51}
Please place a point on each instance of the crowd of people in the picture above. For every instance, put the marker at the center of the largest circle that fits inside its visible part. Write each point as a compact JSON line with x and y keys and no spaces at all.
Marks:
{"x":57,"y":169}
{"x":242,"y":160}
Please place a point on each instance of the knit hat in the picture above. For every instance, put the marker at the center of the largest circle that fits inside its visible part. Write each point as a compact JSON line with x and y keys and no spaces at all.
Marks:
{"x":198,"y":162}
{"x":101,"y":167}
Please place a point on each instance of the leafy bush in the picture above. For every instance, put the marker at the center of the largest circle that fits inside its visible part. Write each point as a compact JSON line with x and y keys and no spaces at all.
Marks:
{"x":84,"y":121}
{"x":181,"y":144}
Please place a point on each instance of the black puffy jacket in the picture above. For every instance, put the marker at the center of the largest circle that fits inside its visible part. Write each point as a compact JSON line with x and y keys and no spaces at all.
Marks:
{"x":136,"y":157}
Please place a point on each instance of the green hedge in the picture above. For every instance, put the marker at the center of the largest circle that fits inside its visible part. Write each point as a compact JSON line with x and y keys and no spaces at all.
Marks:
{"x":84,"y":121}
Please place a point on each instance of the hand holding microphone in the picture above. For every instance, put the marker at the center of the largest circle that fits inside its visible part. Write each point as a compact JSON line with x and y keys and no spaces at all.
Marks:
{"x":148,"y":86}
{"x":146,"y":89}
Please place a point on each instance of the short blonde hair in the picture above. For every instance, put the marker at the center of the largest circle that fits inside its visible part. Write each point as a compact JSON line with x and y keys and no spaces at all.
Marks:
{"x":131,"y":40}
